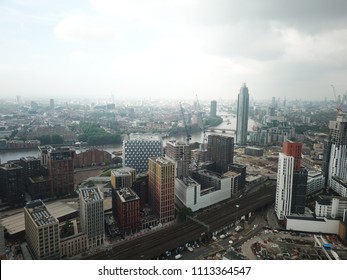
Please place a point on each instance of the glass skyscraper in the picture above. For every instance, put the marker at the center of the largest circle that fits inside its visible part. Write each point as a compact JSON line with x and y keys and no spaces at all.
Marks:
{"x":242,"y":116}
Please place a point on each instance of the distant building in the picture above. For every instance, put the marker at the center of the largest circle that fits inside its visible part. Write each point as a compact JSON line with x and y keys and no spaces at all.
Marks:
{"x":241,"y":169}
{"x":51,"y":103}
{"x":161,"y":184}
{"x":220,"y":149}
{"x":253,"y":151}
{"x":213,"y":110}
{"x":92,"y":215}
{"x":41,"y":231}
{"x":139,"y":148}
{"x":128,"y":210}
{"x":92,"y":157}
{"x":315,"y":182}
{"x":12,"y":183}
{"x":242,"y":116}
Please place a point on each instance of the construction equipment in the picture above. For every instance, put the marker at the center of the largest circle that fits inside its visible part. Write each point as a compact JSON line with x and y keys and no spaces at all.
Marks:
{"x":338,"y":103}
{"x":185,"y":125}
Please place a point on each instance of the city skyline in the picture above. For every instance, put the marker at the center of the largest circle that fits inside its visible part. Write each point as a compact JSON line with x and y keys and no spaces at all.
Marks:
{"x":137,"y":50}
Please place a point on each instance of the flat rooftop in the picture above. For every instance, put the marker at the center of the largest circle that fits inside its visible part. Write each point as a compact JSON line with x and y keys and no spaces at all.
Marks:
{"x":90,"y":194}
{"x":147,"y":137}
{"x":40,"y":214}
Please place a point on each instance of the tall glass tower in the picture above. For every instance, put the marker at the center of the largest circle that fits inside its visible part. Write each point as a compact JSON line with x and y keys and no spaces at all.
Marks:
{"x":242,"y":116}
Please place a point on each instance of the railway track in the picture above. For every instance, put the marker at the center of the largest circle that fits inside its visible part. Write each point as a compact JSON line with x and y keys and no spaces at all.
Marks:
{"x":154,"y":244}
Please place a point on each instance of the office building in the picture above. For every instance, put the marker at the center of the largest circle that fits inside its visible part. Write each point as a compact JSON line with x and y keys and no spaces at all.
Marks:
{"x":180,"y":153}
{"x":128,"y":210}
{"x":242,"y":116}
{"x":92,"y":215}
{"x":161,"y":184}
{"x":213,"y":110}
{"x":220,"y":149}
{"x":241,"y":169}
{"x":139,"y":148}
{"x":291,"y":181}
{"x":41,"y":231}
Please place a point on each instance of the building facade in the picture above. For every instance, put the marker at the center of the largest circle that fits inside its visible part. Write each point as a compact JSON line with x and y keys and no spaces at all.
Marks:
{"x":180,"y":154}
{"x":242,"y":116}
{"x":291,"y":181}
{"x":92,"y":157}
{"x":92,"y":215}
{"x":336,"y":151}
{"x":12,"y":183}
{"x":161,"y":184}
{"x":41,"y":231}
{"x":139,"y":148}
{"x":61,"y":171}
{"x":128,"y":210}
{"x":220,"y":149}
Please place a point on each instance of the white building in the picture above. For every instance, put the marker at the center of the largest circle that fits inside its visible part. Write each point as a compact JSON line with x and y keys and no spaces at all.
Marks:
{"x":41,"y":231}
{"x":92,"y":215}
{"x":284,"y":185}
{"x":331,"y":206}
{"x":191,"y":194}
{"x":315,"y":182}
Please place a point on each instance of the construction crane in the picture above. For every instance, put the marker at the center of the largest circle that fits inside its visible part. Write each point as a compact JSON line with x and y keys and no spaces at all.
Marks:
{"x":185,"y":125}
{"x":338,"y":103}
{"x":201,"y":125}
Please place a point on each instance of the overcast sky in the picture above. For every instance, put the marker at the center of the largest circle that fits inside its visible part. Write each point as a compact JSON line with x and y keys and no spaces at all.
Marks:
{"x":174,"y":49}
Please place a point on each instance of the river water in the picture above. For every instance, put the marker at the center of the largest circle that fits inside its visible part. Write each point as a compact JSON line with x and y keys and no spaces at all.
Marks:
{"x":229,"y":122}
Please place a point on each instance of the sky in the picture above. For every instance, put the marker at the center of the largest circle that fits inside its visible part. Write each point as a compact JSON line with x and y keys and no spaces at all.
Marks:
{"x":159,"y":49}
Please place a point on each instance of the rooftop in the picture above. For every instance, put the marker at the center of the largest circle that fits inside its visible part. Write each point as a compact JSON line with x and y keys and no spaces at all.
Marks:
{"x":90,"y":194}
{"x":40,"y":214}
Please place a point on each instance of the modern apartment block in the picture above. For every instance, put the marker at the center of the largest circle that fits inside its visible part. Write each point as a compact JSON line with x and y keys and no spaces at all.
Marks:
{"x":123,"y":177}
{"x":291,"y":181}
{"x":41,"y":231}
{"x":128,"y":210}
{"x":92,"y":215}
{"x":60,"y":164}
{"x":242,"y":116}
{"x":161,"y":184}
{"x":220,"y":149}
{"x":180,"y":153}
{"x":139,"y":148}
{"x":331,"y":206}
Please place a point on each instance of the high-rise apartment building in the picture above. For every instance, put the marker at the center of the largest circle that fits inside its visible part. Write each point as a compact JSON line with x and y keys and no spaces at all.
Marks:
{"x":242,"y":116}
{"x":123,"y":177}
{"x":213,"y":110}
{"x":41,"y":231}
{"x":220,"y":149}
{"x":139,"y":148}
{"x":61,"y":170}
{"x":92,"y":215}
{"x":180,"y":154}
{"x":291,"y":181}
{"x":161,"y":183}
{"x":335,"y":156}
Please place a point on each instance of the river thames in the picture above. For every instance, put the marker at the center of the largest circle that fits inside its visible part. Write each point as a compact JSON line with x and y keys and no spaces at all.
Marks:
{"x":228,"y":124}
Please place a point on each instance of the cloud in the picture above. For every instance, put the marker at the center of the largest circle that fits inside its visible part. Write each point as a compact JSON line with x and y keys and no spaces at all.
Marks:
{"x":79,"y":55}
{"x":81,"y":27}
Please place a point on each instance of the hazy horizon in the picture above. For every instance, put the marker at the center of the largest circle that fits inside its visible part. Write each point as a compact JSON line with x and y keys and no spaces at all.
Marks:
{"x":172,"y":49}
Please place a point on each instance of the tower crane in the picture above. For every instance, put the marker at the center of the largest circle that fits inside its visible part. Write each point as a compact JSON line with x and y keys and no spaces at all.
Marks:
{"x":338,"y":104}
{"x":202,"y":127}
{"x":185,"y":125}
